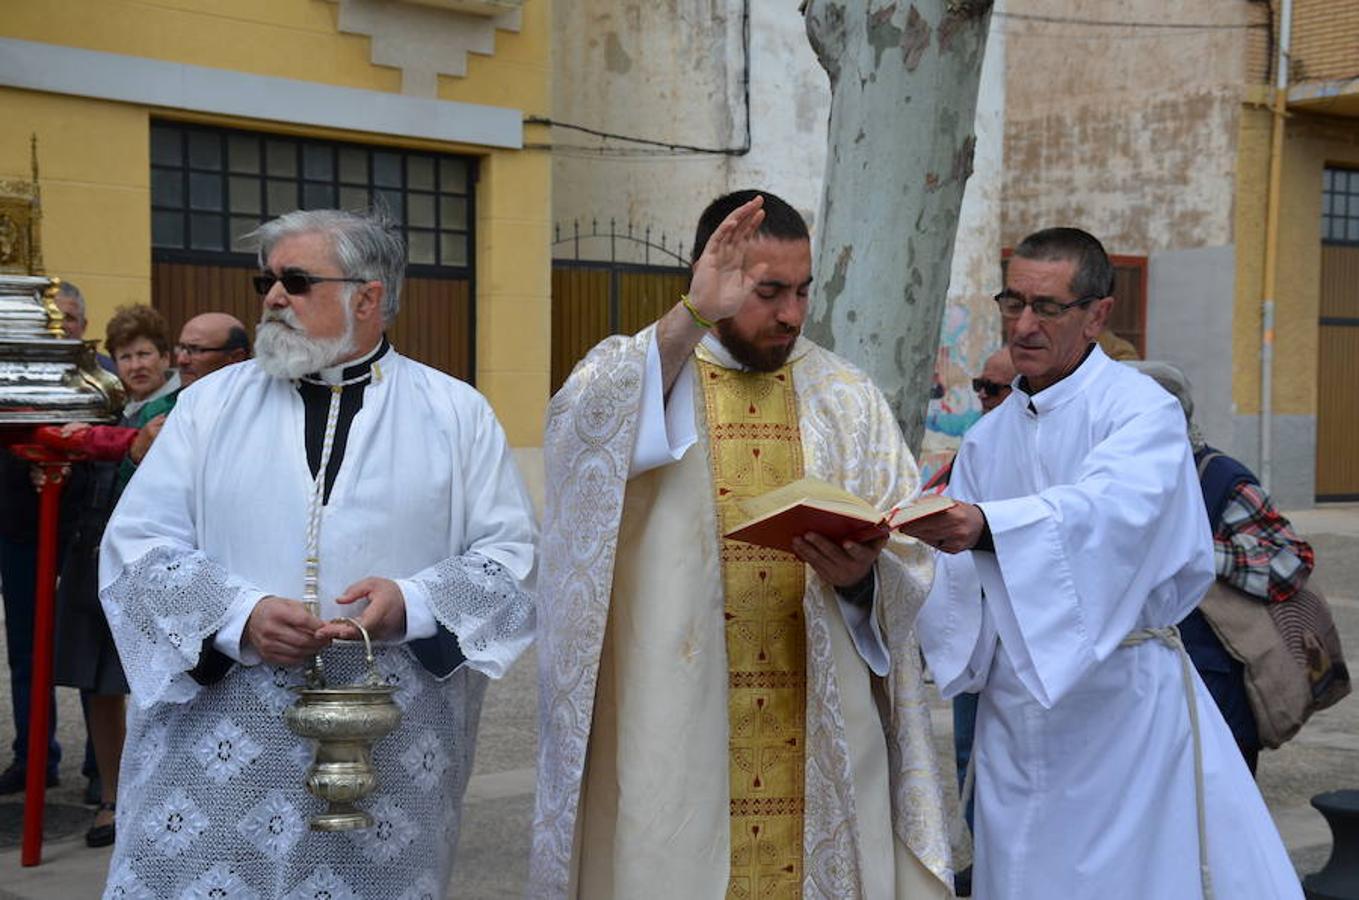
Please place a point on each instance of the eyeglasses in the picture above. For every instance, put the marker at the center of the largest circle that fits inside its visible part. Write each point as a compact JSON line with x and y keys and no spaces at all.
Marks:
{"x":988,"y":387}
{"x":1012,"y":305}
{"x":195,"y":350}
{"x":295,"y":283}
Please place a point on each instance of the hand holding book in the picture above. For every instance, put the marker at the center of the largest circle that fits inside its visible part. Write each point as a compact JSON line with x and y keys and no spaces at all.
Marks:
{"x":810,"y":505}
{"x":960,"y":527}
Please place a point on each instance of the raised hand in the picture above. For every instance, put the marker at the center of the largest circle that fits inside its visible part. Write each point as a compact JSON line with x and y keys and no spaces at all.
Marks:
{"x":721,"y":282}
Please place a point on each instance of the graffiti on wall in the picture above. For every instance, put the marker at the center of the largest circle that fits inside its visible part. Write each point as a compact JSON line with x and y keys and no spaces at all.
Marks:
{"x":969,"y":335}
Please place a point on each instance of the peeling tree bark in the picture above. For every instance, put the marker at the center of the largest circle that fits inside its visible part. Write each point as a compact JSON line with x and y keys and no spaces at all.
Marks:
{"x":904,"y":79}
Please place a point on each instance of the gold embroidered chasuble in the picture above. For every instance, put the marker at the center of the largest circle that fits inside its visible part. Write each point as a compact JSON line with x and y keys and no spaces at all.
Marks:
{"x":755,"y":446}
{"x":635,"y":775}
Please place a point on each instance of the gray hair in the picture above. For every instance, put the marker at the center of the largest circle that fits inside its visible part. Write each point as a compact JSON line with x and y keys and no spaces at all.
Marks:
{"x":71,"y":292}
{"x":1172,"y":378}
{"x":366,"y":245}
{"x":1093,"y":275}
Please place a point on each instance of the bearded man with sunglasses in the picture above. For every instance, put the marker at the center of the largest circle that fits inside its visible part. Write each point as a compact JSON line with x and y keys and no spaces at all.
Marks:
{"x":1102,"y":766}
{"x":330,"y":467}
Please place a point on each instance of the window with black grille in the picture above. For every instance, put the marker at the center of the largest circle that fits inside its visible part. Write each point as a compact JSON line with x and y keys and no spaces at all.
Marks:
{"x":1340,"y":206}
{"x":212,"y":186}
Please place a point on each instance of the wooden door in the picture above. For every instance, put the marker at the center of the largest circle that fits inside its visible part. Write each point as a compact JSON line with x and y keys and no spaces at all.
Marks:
{"x":1338,"y":375}
{"x":591,"y":301}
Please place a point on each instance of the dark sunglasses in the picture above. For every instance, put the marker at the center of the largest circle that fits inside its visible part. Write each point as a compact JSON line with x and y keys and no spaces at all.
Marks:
{"x":295,"y":283}
{"x":988,"y":387}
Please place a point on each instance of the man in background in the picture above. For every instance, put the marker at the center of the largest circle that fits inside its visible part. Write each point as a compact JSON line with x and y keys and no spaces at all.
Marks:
{"x":71,"y":302}
{"x":207,"y":342}
{"x":993,"y":385}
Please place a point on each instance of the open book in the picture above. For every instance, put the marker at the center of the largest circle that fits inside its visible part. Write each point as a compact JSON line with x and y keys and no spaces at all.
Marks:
{"x":809,"y":504}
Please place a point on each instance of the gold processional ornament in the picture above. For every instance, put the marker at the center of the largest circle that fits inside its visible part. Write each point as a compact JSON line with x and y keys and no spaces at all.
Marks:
{"x":46,"y":378}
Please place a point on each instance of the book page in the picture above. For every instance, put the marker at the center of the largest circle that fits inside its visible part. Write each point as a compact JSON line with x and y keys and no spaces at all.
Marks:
{"x":919,"y":509}
{"x":814,"y":491}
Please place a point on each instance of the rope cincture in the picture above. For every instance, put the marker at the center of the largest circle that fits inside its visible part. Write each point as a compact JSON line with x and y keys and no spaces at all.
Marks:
{"x":311,"y":577}
{"x":1169,"y":635}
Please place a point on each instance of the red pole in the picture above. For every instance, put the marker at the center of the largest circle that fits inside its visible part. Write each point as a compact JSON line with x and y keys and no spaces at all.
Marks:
{"x":53,"y":477}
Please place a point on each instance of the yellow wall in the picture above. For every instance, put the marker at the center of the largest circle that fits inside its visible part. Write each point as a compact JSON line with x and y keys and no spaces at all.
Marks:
{"x":1310,"y":144}
{"x":283,"y":38}
{"x":95,"y":181}
{"x":514,"y":330}
{"x":95,"y":167}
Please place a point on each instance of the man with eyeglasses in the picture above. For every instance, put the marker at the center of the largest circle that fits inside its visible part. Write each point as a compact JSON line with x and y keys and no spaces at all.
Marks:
{"x":329,"y":476}
{"x":1102,"y":766}
{"x":208,"y":342}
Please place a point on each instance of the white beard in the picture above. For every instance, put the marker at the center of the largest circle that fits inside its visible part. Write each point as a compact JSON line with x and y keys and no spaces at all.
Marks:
{"x":284,"y":350}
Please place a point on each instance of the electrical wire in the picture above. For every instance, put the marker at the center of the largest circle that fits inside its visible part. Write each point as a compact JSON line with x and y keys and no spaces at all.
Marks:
{"x":665,"y":146}
{"x":1112,"y":23}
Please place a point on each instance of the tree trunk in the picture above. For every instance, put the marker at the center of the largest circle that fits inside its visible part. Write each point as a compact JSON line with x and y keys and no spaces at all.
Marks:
{"x":904,"y":80}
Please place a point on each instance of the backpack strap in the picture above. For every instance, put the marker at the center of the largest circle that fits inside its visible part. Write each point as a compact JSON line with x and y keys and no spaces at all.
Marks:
{"x":1219,"y":475}
{"x":1207,"y":458}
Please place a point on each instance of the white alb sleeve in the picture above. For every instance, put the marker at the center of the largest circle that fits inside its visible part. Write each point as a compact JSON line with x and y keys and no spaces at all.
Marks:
{"x":420,"y":621}
{"x":666,"y":427}
{"x":228,"y":637}
{"x":862,"y":623}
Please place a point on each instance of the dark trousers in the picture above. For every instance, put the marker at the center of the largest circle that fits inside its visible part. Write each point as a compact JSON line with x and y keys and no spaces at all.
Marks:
{"x":18,"y":581}
{"x":964,"y":733}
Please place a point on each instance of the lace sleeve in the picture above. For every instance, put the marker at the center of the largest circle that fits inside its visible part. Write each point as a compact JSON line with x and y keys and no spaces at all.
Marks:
{"x":160,"y":609}
{"x":484,"y":605}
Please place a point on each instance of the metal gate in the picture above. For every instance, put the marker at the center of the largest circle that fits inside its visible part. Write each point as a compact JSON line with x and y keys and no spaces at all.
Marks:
{"x":594,"y":298}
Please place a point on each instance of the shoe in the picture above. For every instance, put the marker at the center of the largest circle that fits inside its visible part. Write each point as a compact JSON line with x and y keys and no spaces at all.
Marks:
{"x":962,"y":883}
{"x":101,"y":835}
{"x":94,"y":791}
{"x":15,"y":779}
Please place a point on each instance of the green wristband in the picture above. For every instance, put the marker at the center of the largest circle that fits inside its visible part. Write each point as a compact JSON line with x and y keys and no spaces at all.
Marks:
{"x":694,"y":313}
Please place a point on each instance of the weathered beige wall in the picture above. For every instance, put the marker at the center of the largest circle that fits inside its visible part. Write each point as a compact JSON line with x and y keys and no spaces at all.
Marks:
{"x":1127,"y":132}
{"x":672,"y":72}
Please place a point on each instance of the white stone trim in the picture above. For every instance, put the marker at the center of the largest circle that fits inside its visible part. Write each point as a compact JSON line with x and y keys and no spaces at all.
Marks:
{"x":132,"y":79}
{"x":423,"y":41}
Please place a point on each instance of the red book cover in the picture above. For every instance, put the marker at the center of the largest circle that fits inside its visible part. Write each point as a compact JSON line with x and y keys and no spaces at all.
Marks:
{"x":779,"y":530}
{"x":810,"y":505}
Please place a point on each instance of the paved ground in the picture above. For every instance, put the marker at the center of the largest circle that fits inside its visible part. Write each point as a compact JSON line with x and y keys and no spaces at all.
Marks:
{"x":492,"y":857}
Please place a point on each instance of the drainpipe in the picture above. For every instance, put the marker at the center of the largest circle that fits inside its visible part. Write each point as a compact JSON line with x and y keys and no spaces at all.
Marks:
{"x":1272,"y":250}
